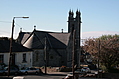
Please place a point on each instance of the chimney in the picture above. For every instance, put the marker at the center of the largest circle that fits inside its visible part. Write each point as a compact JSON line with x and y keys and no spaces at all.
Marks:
{"x":20,"y":29}
{"x":62,"y":30}
{"x":34,"y":27}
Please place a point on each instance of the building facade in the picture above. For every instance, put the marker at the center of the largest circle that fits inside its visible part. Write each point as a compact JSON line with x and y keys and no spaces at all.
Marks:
{"x":54,"y":48}
{"x":74,"y":28}
{"x":20,"y":55}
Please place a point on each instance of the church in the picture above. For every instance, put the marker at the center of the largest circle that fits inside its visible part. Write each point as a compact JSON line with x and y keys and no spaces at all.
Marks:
{"x":54,"y":48}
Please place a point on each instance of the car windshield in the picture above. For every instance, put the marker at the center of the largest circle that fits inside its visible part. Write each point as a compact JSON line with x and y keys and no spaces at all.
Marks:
{"x":29,"y":68}
{"x":6,"y":68}
{"x":32,"y":68}
{"x":11,"y":68}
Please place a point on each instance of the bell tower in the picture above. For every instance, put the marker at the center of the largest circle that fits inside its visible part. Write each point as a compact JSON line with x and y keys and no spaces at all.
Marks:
{"x":74,"y":23}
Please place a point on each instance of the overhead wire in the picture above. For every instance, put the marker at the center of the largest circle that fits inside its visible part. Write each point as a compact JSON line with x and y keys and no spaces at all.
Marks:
{"x":20,"y":26}
{"x":6,"y":21}
{"x":11,"y":22}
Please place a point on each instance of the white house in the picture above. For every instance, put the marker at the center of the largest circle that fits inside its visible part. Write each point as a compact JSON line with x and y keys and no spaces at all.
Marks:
{"x":21,"y":56}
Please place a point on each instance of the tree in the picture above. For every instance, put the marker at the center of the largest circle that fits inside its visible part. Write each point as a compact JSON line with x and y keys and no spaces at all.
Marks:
{"x":104,"y":48}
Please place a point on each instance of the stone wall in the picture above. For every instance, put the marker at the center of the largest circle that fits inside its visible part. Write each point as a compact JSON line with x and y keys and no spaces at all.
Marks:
{"x":38,"y":58}
{"x":55,"y":58}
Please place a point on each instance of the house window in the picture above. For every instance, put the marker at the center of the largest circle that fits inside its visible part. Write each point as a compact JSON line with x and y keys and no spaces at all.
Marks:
{"x":1,"y":58}
{"x":24,"y":57}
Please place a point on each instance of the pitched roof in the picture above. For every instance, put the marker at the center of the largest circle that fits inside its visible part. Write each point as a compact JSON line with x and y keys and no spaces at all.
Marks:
{"x":36,"y":39}
{"x":22,"y":37}
{"x":5,"y":46}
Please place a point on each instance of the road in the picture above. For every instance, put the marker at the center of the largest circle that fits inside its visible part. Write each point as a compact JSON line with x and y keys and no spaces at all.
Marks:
{"x":50,"y":75}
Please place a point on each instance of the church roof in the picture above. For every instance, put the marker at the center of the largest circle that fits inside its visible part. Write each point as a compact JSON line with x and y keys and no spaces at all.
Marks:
{"x":5,"y":46}
{"x":36,"y":39}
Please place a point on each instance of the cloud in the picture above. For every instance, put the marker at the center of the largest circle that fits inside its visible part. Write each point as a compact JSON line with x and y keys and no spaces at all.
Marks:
{"x":95,"y":34}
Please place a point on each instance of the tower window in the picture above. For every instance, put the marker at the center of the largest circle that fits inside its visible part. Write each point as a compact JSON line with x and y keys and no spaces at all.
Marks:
{"x":24,"y":57}
{"x":1,"y":58}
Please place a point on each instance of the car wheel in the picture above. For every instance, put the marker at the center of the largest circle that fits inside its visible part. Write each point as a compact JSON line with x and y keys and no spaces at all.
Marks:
{"x":26,"y":73}
{"x":16,"y":73}
{"x":4,"y":73}
{"x":36,"y":73}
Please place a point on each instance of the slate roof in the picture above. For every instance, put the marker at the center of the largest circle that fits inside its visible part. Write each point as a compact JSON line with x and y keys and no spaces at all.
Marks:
{"x":36,"y":39}
{"x":5,"y":46}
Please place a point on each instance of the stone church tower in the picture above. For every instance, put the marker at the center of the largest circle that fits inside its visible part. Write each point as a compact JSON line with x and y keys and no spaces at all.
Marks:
{"x":74,"y":23}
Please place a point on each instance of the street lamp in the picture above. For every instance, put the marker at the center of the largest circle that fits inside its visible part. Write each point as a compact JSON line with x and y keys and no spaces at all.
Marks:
{"x":10,"y":53}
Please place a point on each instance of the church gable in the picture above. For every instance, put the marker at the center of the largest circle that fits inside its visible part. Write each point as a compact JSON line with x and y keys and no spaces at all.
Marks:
{"x":36,"y":40}
{"x":33,"y":42}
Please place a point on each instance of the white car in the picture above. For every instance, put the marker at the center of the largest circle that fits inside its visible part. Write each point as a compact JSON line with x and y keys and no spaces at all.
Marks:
{"x":69,"y":76}
{"x":85,"y":69}
{"x":30,"y":70}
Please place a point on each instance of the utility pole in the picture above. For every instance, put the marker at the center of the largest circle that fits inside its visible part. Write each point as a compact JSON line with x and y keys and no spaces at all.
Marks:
{"x":73,"y":52}
{"x":11,"y":46}
{"x":10,"y":54}
{"x":45,"y":49}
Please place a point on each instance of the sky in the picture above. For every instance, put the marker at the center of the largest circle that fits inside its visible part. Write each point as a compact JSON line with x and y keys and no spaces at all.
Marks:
{"x":99,"y":17}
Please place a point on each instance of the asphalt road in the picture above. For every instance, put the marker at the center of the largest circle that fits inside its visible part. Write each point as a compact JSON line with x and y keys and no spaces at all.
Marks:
{"x":50,"y":75}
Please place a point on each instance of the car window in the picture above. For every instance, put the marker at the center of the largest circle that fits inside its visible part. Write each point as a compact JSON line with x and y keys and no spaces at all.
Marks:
{"x":34,"y":68}
{"x":12,"y":68}
{"x":5,"y":68}
{"x":31,"y":68}
{"x":27,"y":68}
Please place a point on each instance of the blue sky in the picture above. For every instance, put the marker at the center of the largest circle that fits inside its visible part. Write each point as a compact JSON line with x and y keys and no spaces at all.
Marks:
{"x":98,"y":16}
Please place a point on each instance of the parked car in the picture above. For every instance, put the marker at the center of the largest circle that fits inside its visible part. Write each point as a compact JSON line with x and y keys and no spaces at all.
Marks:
{"x":1,"y":71}
{"x":13,"y":70}
{"x":30,"y":70}
{"x":69,"y":76}
{"x":85,"y":69}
